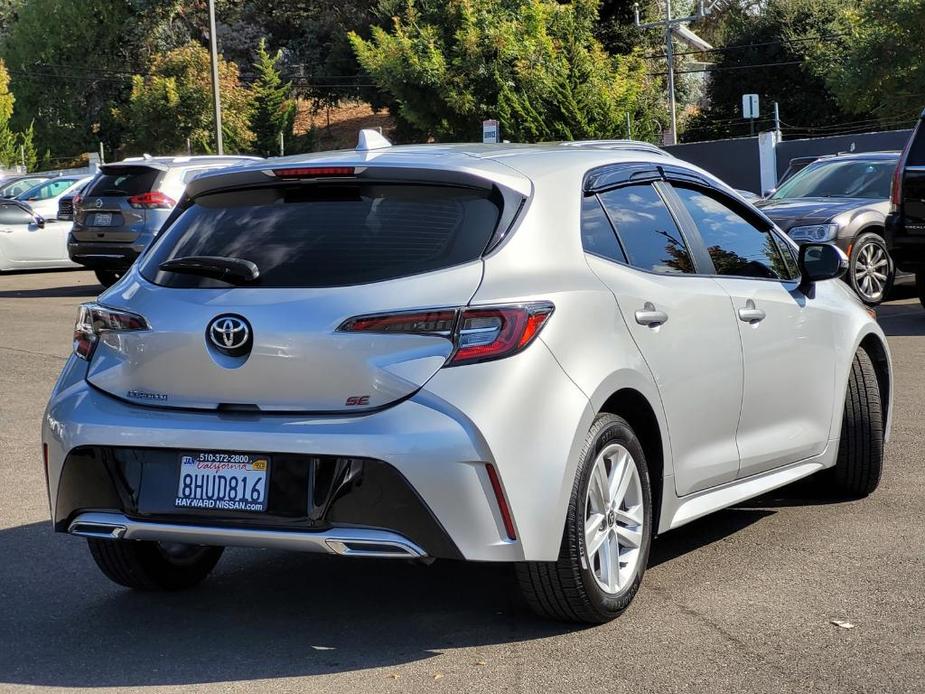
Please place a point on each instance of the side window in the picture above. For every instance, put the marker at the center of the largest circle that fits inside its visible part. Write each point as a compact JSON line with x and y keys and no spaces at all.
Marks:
{"x":646,"y":229}
{"x":597,"y":235}
{"x":14,"y":214}
{"x":790,"y":258}
{"x":736,"y":247}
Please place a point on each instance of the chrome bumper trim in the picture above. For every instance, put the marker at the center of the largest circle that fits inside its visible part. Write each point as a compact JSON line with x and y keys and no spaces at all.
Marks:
{"x":352,"y":542}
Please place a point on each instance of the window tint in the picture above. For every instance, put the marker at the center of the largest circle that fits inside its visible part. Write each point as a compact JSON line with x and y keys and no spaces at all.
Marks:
{"x":597,"y":235}
{"x":736,"y":247}
{"x":125,"y":181}
{"x":14,"y":214}
{"x":329,"y":235}
{"x":646,"y":229}
{"x":48,"y":190}
{"x":19,"y":187}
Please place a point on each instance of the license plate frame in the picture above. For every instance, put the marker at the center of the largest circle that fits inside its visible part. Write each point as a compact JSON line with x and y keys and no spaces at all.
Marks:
{"x":102,"y":219}
{"x":222,"y":481}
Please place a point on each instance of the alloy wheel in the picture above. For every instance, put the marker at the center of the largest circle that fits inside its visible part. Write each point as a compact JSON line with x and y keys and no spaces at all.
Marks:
{"x":871,"y":270}
{"x":614,"y":519}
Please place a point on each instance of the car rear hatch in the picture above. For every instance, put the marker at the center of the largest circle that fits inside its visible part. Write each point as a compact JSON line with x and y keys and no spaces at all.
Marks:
{"x":329,"y":249}
{"x":110,"y":211}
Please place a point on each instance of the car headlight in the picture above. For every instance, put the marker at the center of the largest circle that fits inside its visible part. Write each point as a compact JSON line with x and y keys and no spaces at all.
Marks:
{"x":815,"y":233}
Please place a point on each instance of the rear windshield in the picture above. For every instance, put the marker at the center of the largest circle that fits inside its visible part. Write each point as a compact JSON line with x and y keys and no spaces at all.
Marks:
{"x":329,"y":235}
{"x":124,"y":182}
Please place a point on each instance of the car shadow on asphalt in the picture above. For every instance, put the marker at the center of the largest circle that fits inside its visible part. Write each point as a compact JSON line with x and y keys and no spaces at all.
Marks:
{"x":78,"y":290}
{"x":263,"y":614}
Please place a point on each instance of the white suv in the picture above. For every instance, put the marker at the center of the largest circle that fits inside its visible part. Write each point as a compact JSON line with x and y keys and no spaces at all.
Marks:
{"x":542,"y":355}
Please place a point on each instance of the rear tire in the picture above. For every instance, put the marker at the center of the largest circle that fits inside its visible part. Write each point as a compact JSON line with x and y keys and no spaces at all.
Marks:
{"x":107,"y":277}
{"x":860,"y":450}
{"x":577,"y":587}
{"x":152,"y":566}
{"x":870,"y":270}
{"x":920,"y":286}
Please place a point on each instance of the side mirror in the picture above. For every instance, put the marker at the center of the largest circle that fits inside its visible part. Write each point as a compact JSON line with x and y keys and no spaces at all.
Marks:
{"x":39,"y":221}
{"x":820,"y":261}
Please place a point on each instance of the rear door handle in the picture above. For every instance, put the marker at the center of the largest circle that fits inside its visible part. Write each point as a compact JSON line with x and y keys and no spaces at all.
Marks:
{"x":650,"y":317}
{"x":750,"y":314}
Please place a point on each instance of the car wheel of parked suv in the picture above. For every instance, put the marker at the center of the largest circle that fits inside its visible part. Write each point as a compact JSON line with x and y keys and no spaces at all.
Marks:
{"x":107,"y":277}
{"x":154,"y":565}
{"x":860,"y":450}
{"x":608,"y":531}
{"x":870,"y":271}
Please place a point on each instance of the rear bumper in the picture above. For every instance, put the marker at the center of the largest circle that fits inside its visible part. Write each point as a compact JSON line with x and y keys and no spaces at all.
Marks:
{"x":523,"y":415}
{"x":907,"y":249}
{"x":117,"y":257}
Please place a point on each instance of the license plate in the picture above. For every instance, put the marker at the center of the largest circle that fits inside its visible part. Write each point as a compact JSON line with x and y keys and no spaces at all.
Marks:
{"x":101,"y":219}
{"x":215,"y":480}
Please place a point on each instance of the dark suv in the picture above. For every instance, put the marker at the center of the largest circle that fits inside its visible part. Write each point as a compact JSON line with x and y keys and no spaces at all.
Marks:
{"x":905,"y":225}
{"x":125,"y":206}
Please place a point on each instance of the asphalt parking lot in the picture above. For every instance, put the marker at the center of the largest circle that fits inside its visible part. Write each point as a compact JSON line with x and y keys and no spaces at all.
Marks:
{"x":742,"y":601}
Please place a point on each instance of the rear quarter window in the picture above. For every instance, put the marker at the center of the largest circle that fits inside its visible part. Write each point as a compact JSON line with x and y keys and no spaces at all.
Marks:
{"x":330,"y":235}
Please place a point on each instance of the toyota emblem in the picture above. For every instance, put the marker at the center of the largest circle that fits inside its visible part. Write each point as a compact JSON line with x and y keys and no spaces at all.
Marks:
{"x":230,"y":335}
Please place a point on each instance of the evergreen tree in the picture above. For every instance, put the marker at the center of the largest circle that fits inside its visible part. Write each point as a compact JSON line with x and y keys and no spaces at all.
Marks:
{"x":274,"y":110}
{"x":25,"y":145}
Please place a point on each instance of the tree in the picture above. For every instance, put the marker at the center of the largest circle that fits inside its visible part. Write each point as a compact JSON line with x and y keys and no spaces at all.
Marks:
{"x":877,"y":64}
{"x":533,"y":64}
{"x":174,"y":102}
{"x":764,"y":55}
{"x":274,"y":110}
{"x":25,"y":148}
{"x":69,"y":61}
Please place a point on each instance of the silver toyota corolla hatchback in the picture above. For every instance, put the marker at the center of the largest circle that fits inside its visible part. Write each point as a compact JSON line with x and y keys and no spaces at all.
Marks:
{"x":542,"y":355}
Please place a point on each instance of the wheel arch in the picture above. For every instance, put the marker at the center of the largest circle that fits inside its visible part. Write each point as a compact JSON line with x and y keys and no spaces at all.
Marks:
{"x":634,"y":407}
{"x":878,"y":352}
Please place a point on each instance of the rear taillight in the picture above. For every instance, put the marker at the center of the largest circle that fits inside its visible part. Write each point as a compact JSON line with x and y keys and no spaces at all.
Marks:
{"x":479,"y":334}
{"x":94,"y":320}
{"x":154,"y":200}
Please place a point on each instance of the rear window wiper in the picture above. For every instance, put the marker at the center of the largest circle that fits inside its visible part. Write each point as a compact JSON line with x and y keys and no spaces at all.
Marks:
{"x":231,"y":270}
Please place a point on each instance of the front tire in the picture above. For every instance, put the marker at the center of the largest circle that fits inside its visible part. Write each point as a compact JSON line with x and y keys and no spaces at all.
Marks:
{"x":152,"y":566}
{"x":608,"y":531}
{"x":107,"y":277}
{"x":870,"y":270}
{"x":860,"y":450}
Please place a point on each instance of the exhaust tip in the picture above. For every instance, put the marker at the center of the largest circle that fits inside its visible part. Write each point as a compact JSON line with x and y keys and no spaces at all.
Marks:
{"x":369,"y":548}
{"x":100,"y":531}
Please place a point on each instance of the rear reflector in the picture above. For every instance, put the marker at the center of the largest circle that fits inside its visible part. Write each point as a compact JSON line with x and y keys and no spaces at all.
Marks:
{"x":154,"y":200}
{"x":479,"y":334}
{"x":314,"y":172}
{"x":93,"y":319}
{"x":502,"y":501}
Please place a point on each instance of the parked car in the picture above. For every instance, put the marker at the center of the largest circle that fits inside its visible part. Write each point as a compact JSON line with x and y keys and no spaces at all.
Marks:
{"x":537,"y":354}
{"x":842,"y":199}
{"x":68,"y":203}
{"x":126,"y":206}
{"x":28,"y":241}
{"x":905,"y":227}
{"x":15,"y":185}
{"x":43,"y":198}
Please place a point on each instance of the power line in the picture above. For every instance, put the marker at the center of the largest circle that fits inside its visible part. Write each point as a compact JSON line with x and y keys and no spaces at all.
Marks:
{"x":722,"y":49}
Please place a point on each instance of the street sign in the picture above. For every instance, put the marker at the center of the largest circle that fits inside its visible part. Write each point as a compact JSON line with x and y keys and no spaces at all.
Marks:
{"x":749,"y":106}
{"x":491,"y":133}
